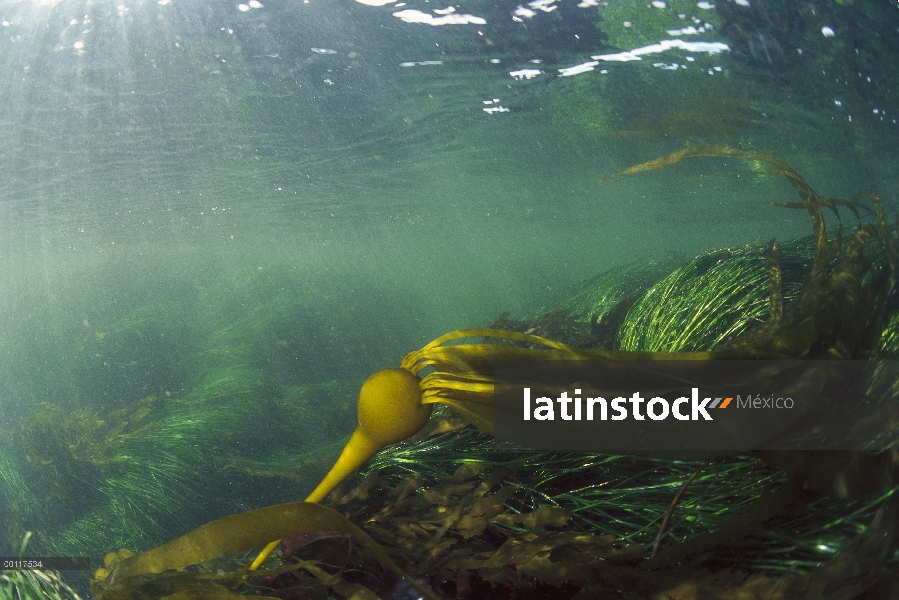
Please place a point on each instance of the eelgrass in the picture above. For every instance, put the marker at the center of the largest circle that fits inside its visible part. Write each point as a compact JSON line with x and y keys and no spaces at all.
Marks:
{"x":172,"y":472}
{"x":233,"y":409}
{"x":628,"y":496}
{"x":163,"y":478}
{"x":146,"y":495}
{"x":15,"y":498}
{"x":34,"y":585}
{"x":177,"y":416}
{"x":889,"y":339}
{"x":715,"y":297}
{"x":623,"y":495}
{"x":816,"y":535}
{"x":597,"y":296}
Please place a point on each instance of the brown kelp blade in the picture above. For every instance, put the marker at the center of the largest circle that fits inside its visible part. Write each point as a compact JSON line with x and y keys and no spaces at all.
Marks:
{"x":812,"y":201}
{"x":710,"y":150}
{"x":233,"y":534}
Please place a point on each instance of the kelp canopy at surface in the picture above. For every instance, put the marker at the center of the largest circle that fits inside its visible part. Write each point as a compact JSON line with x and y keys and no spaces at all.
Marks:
{"x":840,"y":311}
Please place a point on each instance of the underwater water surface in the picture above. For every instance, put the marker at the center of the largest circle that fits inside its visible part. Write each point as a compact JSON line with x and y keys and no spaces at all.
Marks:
{"x":216,"y":218}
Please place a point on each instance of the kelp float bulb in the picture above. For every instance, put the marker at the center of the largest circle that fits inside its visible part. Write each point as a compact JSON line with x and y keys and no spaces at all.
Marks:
{"x":390,"y":410}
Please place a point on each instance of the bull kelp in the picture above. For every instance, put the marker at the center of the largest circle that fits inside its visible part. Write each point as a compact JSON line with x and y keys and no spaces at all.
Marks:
{"x":526,"y":524}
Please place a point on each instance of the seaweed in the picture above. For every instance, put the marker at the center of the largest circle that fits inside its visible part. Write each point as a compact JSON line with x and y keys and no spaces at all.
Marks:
{"x":32,"y":584}
{"x":715,"y":297}
{"x":462,"y":524}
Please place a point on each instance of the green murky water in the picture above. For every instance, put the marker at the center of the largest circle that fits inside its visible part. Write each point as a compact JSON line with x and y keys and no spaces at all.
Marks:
{"x":290,"y":194}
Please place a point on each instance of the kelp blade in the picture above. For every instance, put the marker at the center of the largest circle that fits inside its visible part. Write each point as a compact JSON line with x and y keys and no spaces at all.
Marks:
{"x":239,"y":533}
